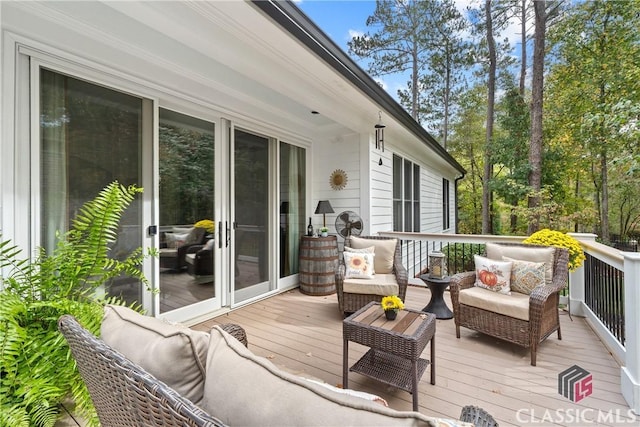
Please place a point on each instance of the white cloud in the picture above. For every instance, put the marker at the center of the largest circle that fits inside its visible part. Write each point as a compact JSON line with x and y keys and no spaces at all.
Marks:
{"x":355,"y":33}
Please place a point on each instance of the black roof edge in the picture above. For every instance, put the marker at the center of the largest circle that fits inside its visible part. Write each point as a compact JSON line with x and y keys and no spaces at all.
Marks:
{"x":292,"y":19}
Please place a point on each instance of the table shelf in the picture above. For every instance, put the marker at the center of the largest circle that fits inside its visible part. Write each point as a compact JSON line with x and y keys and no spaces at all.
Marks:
{"x":389,"y":369}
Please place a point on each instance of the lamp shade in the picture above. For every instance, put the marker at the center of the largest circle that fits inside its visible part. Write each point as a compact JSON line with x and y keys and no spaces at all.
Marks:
{"x":324,"y":207}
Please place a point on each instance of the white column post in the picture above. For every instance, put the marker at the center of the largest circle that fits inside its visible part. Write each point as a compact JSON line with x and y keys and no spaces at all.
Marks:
{"x":630,"y":372}
{"x":576,"y":280}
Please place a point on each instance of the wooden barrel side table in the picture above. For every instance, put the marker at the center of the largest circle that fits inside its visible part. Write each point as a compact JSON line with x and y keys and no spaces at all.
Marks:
{"x":318,"y":264}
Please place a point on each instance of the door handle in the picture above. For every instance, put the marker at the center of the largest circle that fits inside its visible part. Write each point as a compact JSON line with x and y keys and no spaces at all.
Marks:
{"x":228,"y":239}
{"x":219,"y":234}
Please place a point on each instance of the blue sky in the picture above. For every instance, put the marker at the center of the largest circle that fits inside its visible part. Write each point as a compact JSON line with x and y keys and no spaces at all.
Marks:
{"x":341,"y":19}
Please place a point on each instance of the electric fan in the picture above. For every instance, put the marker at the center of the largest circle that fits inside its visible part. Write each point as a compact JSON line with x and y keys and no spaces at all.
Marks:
{"x":348,"y":223}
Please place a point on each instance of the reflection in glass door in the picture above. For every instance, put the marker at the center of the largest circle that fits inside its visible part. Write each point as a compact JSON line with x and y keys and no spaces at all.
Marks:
{"x":90,"y":136}
{"x":186,"y":202}
{"x":250,"y":198}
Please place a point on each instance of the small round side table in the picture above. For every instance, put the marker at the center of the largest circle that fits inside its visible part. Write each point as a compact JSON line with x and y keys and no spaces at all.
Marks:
{"x":437,"y":305}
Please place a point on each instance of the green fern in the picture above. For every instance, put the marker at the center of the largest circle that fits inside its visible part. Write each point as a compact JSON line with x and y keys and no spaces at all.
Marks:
{"x":37,"y":371}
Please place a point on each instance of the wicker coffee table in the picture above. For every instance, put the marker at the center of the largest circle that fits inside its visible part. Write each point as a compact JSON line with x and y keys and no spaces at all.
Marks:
{"x":396,"y":346}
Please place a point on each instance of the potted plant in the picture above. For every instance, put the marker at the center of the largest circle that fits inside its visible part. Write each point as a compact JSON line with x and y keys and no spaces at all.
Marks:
{"x":37,"y":371}
{"x":324,"y":232}
{"x":391,"y":304}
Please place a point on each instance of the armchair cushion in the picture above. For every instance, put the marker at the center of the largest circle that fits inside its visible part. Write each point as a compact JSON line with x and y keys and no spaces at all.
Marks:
{"x":526,"y":275}
{"x":514,"y":305}
{"x":358,"y":265}
{"x":523,"y":253}
{"x":174,"y":354}
{"x":492,"y":274}
{"x":384,"y":250}
{"x":384,"y":284}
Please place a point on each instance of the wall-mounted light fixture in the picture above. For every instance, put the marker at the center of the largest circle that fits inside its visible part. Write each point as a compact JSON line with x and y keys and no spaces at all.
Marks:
{"x":380,"y":162}
{"x":379,"y":127}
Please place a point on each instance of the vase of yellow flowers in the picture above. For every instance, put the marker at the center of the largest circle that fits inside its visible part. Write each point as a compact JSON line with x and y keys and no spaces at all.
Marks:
{"x":391,"y":305}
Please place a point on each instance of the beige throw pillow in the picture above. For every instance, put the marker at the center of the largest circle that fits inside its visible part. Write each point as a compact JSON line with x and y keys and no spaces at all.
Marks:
{"x":526,"y":275}
{"x":385,"y":252}
{"x":523,"y":253}
{"x":174,"y":354}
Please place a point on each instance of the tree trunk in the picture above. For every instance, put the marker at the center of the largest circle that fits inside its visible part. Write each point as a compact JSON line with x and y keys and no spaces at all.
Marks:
{"x":414,"y":84}
{"x":487,"y":211}
{"x":535,"y":147}
{"x":523,"y":46}
{"x":447,"y":93}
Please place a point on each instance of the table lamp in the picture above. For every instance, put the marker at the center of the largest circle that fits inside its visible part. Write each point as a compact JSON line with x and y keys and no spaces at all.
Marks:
{"x":324,"y":207}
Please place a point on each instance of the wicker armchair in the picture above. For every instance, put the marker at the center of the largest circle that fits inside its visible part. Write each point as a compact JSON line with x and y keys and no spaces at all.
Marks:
{"x":122,"y":392}
{"x":350,"y":302}
{"x":544,"y":318}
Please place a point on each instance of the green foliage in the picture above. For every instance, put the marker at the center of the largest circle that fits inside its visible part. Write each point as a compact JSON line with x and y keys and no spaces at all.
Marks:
{"x":37,"y":371}
{"x":460,"y":256}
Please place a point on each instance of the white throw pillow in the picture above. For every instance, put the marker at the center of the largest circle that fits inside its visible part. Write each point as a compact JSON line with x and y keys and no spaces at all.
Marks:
{"x":492,"y":274}
{"x":358,"y":265}
{"x":369,"y":250}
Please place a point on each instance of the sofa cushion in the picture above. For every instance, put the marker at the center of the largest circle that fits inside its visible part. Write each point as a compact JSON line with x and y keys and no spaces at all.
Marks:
{"x":174,"y":354}
{"x":526,"y":275}
{"x":514,"y":305}
{"x":381,"y":284}
{"x":494,"y":275}
{"x":232,"y":395}
{"x":358,"y":265}
{"x":385,"y":252}
{"x":523,"y":253}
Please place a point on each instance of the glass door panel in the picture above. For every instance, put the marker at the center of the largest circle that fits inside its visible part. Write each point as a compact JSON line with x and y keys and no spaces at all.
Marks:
{"x":250,"y":198}
{"x":186,"y":201}
{"x":90,"y":136}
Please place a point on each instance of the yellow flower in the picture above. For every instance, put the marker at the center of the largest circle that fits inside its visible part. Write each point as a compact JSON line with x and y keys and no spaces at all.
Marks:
{"x":557,"y":238}
{"x":392,"y":302}
{"x":207,"y":224}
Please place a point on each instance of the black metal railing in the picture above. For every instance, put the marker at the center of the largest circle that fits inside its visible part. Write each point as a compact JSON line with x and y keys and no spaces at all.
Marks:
{"x":459,"y":256}
{"x":604,"y":294}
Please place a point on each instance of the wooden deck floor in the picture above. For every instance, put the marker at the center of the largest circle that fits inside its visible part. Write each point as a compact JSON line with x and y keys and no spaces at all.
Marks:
{"x":304,"y":335}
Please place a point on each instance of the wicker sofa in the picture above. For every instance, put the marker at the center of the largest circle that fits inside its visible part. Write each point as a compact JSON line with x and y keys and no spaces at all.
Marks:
{"x":353,"y":294}
{"x":145,"y":371}
{"x":525,"y":320}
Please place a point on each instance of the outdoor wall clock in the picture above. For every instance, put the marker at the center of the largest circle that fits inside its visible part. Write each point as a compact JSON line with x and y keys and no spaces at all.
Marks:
{"x":338,"y":179}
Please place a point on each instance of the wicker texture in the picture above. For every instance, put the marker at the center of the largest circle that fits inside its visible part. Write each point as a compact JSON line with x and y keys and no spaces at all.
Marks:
{"x":394,"y":357}
{"x":544,"y":318}
{"x":350,"y":303}
{"x":477,"y":416}
{"x":236,"y":331}
{"x":122,"y":392}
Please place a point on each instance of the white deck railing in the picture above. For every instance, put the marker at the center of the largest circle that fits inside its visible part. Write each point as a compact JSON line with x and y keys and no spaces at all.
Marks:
{"x":416,"y":247}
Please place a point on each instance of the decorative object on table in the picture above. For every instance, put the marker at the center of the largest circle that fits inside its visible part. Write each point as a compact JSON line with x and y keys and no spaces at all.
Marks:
{"x":391,"y":304}
{"x":338,"y":179}
{"x":349,"y":223}
{"x":559,"y":239}
{"x":324,"y":207}
{"x":437,"y":265}
{"x":324,"y":232}
{"x":309,"y":228}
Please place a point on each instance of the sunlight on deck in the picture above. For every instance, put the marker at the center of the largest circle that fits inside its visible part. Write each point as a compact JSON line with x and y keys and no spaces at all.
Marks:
{"x":303,"y":334}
